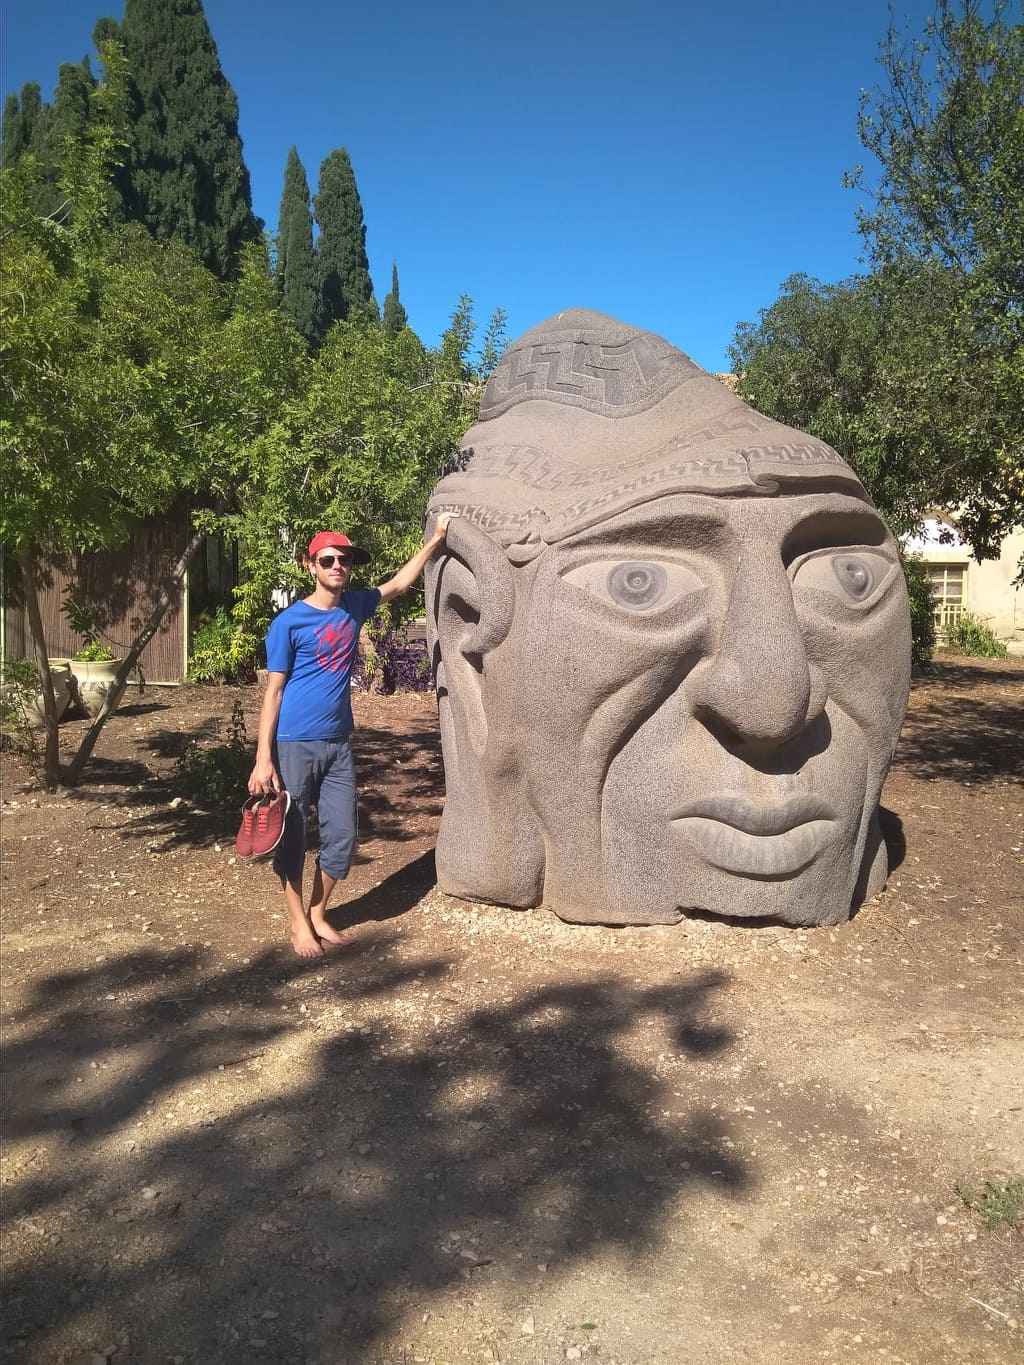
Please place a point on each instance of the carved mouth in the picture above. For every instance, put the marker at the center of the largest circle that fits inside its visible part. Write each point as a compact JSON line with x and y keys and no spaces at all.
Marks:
{"x":757,"y":841}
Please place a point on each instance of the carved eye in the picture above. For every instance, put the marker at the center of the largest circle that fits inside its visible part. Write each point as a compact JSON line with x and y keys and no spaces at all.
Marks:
{"x":635,"y":585}
{"x":853,"y":577}
{"x":854,"y":574}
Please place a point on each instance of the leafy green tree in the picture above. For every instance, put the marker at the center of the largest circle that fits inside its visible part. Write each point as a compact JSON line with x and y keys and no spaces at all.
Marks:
{"x":945,"y":237}
{"x":32,"y":127}
{"x":359,"y":448}
{"x":184,"y":175}
{"x":915,"y":372}
{"x":344,"y":268}
{"x":948,"y":132}
{"x":128,"y":377}
{"x":812,"y":360}
{"x":296,"y":262}
{"x":394,"y":316}
{"x":494,"y":343}
{"x":72,"y":105}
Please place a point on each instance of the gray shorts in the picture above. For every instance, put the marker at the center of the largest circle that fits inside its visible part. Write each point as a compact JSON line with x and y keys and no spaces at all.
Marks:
{"x":318,"y":772}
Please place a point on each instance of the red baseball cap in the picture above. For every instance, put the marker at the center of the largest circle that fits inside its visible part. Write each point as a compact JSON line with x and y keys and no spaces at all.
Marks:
{"x":334,"y":540}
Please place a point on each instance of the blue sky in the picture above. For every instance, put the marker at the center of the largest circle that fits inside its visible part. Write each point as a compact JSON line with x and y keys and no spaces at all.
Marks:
{"x":667,"y":163}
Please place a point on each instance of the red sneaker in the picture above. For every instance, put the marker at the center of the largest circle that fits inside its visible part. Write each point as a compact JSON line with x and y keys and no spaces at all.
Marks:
{"x":270,"y":817}
{"x":243,"y":840}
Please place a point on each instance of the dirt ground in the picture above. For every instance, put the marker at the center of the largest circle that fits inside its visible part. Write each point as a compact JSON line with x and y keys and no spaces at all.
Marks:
{"x":484,"y":1135}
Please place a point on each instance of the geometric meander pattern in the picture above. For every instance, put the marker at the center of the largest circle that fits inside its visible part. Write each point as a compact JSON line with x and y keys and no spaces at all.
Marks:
{"x":543,"y":470}
{"x":631,"y":480}
{"x":613,"y":381}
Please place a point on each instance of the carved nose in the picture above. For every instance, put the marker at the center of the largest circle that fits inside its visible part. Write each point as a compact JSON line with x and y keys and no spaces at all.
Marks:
{"x":758,"y":686}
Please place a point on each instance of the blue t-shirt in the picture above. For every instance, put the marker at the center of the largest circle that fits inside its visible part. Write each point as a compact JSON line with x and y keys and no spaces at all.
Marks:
{"x":316,"y":649}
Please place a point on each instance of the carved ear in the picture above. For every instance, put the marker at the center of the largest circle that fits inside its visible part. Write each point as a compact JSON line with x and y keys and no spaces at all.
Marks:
{"x":470,"y":604}
{"x":488,"y":846}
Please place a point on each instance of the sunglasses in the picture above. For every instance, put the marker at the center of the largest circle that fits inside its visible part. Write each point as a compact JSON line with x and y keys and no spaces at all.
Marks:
{"x":329,"y":561}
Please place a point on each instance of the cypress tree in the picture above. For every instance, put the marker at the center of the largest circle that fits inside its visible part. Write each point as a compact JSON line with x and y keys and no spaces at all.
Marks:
{"x":296,"y":263}
{"x":343,"y":266}
{"x":25,"y":128}
{"x":12,"y":134}
{"x":72,"y":103}
{"x":70,"y":116}
{"x":34,"y":128}
{"x":185,"y":176}
{"x":395,"y":316}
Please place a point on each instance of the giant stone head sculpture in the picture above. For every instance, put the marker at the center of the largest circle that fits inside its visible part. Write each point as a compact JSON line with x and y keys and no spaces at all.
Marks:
{"x":672,"y":644}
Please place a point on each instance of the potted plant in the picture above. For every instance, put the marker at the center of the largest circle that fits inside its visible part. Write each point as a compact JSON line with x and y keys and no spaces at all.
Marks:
{"x":22,"y":695}
{"x":94,"y":668}
{"x":64,"y":690}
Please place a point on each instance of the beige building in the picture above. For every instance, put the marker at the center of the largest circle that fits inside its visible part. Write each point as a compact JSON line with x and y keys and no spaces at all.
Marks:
{"x":960,"y":583}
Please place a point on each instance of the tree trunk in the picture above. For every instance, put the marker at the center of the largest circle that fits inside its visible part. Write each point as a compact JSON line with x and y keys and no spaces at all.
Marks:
{"x":169,"y":594}
{"x":51,"y":758}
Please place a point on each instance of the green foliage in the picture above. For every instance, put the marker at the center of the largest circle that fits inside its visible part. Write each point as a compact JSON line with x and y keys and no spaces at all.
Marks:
{"x":296,"y":262}
{"x":972,"y":636}
{"x":221,"y":650}
{"x":357,"y":449}
{"x":184,"y":176}
{"x":395,"y":316}
{"x":811,"y":361}
{"x":944,"y":235}
{"x":42,"y":131}
{"x":346,"y":290}
{"x":129,"y":373}
{"x":947,"y":130}
{"x":999,"y":1202}
{"x":922,"y":612}
{"x":218,"y":774}
{"x":94,"y":652}
{"x":914,"y":372}
{"x":24,"y":124}
{"x":81,"y":617}
{"x":19,"y":720}
{"x":494,"y":344}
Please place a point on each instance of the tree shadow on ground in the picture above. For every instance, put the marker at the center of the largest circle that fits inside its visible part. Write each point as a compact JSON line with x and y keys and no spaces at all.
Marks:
{"x":966,"y":739}
{"x":378,"y":754}
{"x":394,"y":1161}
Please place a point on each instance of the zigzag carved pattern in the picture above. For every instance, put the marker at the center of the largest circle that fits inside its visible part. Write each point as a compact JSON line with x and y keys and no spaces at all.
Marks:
{"x":613,"y":380}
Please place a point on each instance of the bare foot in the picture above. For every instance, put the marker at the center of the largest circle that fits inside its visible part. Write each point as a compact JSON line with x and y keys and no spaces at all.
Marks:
{"x":329,"y":935}
{"x":305,"y":942}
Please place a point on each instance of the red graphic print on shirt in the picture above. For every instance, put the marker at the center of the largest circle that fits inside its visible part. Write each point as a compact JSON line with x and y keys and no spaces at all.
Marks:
{"x":334,"y":646}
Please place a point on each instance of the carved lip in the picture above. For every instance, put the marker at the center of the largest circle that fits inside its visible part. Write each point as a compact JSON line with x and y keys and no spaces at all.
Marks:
{"x":754,"y":840}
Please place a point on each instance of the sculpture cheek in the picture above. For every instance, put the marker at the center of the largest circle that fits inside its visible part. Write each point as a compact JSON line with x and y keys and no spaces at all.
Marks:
{"x":863,"y":653}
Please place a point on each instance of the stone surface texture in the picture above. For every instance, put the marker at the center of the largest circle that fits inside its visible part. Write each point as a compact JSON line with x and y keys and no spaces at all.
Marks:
{"x":672,"y":644}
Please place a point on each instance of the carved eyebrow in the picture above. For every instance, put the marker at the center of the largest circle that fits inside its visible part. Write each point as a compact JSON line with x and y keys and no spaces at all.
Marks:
{"x":847,"y":524}
{"x":661,"y":530}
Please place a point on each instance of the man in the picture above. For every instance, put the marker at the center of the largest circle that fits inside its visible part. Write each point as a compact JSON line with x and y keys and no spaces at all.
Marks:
{"x":672,"y":646}
{"x":303,"y":746}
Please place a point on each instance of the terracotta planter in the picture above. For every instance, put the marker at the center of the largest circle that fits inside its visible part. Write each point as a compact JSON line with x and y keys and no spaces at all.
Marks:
{"x":94,"y":678}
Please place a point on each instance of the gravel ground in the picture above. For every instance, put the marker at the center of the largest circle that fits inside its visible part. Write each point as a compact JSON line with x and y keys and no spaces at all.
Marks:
{"x":484,"y":1135}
